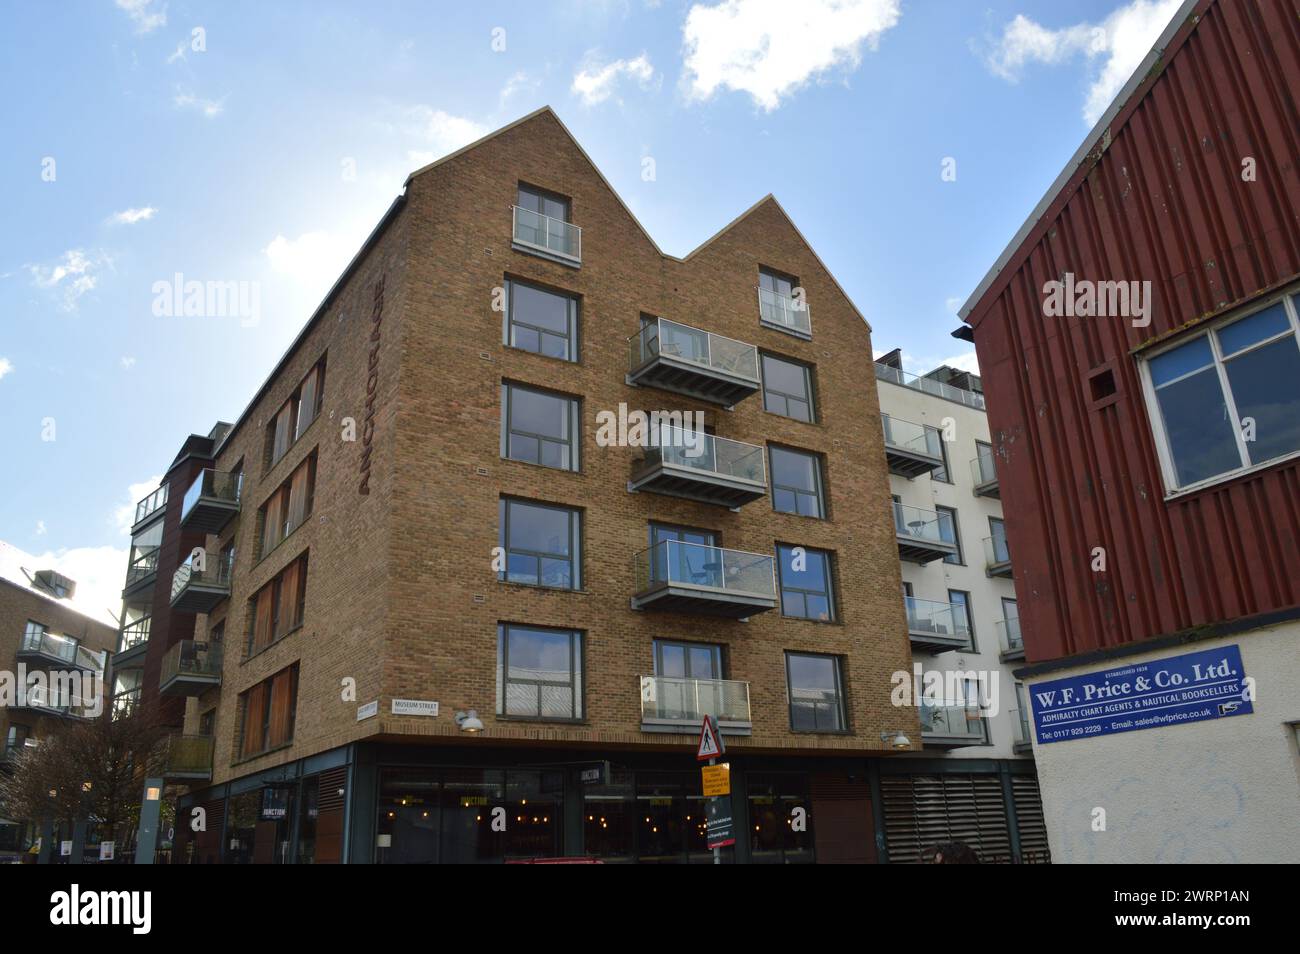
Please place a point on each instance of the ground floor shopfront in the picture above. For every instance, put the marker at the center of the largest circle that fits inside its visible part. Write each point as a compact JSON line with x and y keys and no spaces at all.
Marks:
{"x":416,"y":804}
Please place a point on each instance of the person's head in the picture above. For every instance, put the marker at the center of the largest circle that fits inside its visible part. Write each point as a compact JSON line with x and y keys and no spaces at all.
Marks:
{"x":951,"y":853}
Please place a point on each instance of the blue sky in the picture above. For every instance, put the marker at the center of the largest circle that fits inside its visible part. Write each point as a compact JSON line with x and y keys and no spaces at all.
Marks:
{"x":260,"y":142}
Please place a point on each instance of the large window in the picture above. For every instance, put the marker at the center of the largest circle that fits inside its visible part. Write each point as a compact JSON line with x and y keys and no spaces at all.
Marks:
{"x":806,"y":583}
{"x":542,"y":543}
{"x":539,"y":672}
{"x":545,"y":203}
{"x":788,"y":388}
{"x":539,"y":427}
{"x":268,"y":713}
{"x":1228,"y":399}
{"x":289,"y":507}
{"x":816,"y":692}
{"x":773,"y":800}
{"x":948,"y":532}
{"x":963,"y":615}
{"x":277,"y":609}
{"x":797,"y":482}
{"x":676,"y":660}
{"x":296,"y":414}
{"x":541,"y":321}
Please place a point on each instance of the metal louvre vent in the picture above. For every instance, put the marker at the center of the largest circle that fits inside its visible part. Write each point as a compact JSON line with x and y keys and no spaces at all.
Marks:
{"x":331,"y":782}
{"x":1034,"y":849}
{"x":925,"y":810}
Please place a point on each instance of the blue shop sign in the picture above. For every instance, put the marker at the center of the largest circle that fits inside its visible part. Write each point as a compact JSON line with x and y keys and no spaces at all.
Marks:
{"x":1148,"y":695}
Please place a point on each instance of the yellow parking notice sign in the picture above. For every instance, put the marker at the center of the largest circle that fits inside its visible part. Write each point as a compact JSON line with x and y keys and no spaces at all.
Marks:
{"x":717,"y":779}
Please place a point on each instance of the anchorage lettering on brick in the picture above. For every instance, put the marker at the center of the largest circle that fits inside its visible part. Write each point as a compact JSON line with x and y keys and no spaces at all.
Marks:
{"x":372,"y":387}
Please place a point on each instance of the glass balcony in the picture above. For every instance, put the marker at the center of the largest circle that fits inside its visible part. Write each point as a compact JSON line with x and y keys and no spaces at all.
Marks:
{"x":929,"y":385}
{"x":1024,"y":735}
{"x":697,"y":466}
{"x":911,"y":449}
{"x":997,"y":557}
{"x":675,"y":357}
{"x":923,"y":535}
{"x":190,"y":668}
{"x":984,"y":472}
{"x":787,"y":314}
{"x":1009,"y":637}
{"x":542,"y":233}
{"x":199,"y":590}
{"x":134,"y":634}
{"x":707,"y":581}
{"x":951,"y":725}
{"x":211,"y":501}
{"x":45,"y":647}
{"x":936,"y":626}
{"x":150,"y":505}
{"x":672,"y":704}
{"x":142,"y":568}
{"x":188,"y":758}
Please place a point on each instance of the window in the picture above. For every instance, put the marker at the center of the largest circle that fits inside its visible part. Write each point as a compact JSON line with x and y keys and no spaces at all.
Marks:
{"x":542,"y":543}
{"x":963,"y":615}
{"x":806,"y":583}
{"x":208,"y":722}
{"x":796,"y":483}
{"x":816,"y":693}
{"x":278,"y":608}
{"x":16,"y":738}
{"x":676,"y":660}
{"x":544,"y":203}
{"x":296,"y":414}
{"x":539,"y":427}
{"x":144,"y":551}
{"x":289,"y":507}
{"x":999,"y":552}
{"x":948,"y":531}
{"x":1229,"y":398}
{"x":788,"y":388}
{"x":268,"y":713}
{"x":539,"y":672}
{"x":541,"y":321}
{"x":941,"y":474}
{"x":126,"y":691}
{"x":1011,"y":623}
{"x":778,"y":305}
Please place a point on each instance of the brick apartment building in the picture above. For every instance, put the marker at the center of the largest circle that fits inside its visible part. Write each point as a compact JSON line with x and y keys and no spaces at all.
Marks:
{"x":1154,"y":455}
{"x":43,"y":637}
{"x":432,"y":596}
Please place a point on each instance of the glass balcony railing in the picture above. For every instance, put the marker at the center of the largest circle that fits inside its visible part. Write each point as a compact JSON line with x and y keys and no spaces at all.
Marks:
{"x":134,"y":634}
{"x":1024,"y":735}
{"x":548,"y":234}
{"x":671,"y":339}
{"x":707,"y":455}
{"x":939,"y":619}
{"x":924,"y":525}
{"x":953,"y":720}
{"x":214,"y":572}
{"x":142,"y":566}
{"x":698,"y":565}
{"x":916,"y":438}
{"x":788,"y":313}
{"x":929,"y":385}
{"x":191,"y":661}
{"x":997,"y":556}
{"x":983,"y":469}
{"x":62,"y":648}
{"x":189,"y":756}
{"x":215,"y":488}
{"x":1009,"y":635}
{"x":673,"y":699}
{"x":147,"y":507}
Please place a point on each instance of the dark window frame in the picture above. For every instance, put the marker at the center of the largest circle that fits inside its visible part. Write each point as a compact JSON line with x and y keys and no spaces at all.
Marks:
{"x":809,"y":384}
{"x":828,"y":565}
{"x":577,"y":671}
{"x":958,"y":558}
{"x":574,"y":414}
{"x":819,"y":480}
{"x":576,"y":519}
{"x":972,"y":646}
{"x":841,"y":696}
{"x":573,"y":315}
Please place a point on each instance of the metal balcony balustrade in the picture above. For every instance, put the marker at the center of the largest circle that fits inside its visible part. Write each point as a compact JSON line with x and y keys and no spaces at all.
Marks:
{"x":199,"y":588}
{"x":911,"y":449}
{"x":923,"y":535}
{"x":936,"y":626}
{"x":698,"y":466}
{"x":929,"y":386}
{"x":552,"y":236}
{"x":709,"y":581}
{"x":671,"y":356}
{"x":190,"y":667}
{"x":211,"y":501}
{"x":997,"y":556}
{"x":675,"y":704}
{"x":984,"y":473}
{"x":781,"y":311}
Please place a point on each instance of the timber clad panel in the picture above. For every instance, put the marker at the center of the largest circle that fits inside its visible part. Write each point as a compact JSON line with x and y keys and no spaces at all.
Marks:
{"x":1161,"y":198}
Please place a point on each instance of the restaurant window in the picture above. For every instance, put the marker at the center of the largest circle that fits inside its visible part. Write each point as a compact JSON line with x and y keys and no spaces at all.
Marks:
{"x":295,"y":414}
{"x":780,"y":818}
{"x":278,"y":608}
{"x":289,"y":506}
{"x":268,"y":713}
{"x":806,"y":590}
{"x":539,"y":427}
{"x":542,"y":321}
{"x":788,"y":388}
{"x":541,"y":543}
{"x":539,"y":673}
{"x":797,"y":482}
{"x":816,"y":692}
{"x":1229,"y":398}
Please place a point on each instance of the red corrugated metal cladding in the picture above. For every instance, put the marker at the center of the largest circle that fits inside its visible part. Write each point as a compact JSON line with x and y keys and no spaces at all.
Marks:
{"x":1164,"y":201}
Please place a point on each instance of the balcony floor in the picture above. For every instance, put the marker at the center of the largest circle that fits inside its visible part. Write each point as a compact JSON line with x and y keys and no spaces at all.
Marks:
{"x":910,"y":464}
{"x":199,"y":597}
{"x":937,"y":741}
{"x":703,"y":601}
{"x":989,"y":489}
{"x":936,"y":642}
{"x":189,"y":684}
{"x":692,"y":727}
{"x":922,"y":551}
{"x":674,"y":481}
{"x":210,"y":514}
{"x":1002,"y":570}
{"x":668,"y":373}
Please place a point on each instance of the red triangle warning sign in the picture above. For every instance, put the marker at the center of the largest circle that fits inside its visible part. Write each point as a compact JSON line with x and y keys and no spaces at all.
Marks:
{"x":711,"y":745}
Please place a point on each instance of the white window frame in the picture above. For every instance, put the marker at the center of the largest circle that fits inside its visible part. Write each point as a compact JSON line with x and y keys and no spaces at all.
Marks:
{"x":1155,"y":419}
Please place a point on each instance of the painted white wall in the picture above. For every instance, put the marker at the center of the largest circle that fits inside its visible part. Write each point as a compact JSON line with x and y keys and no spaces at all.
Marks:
{"x":933,"y":581}
{"x":1220,"y":791}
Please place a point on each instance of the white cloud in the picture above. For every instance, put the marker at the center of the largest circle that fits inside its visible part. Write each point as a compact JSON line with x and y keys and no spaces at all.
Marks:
{"x":183,"y":99}
{"x":5,"y":366}
{"x":128,"y":362}
{"x":1111,"y":49}
{"x":966,"y":361}
{"x":596,"y":82}
{"x":132,"y":216}
{"x":181,"y":53}
{"x":519,"y":83}
{"x":124,"y":514}
{"x":40,"y":528}
{"x":442,"y":131}
{"x":314,"y":259}
{"x":770,"y":48}
{"x":75,"y":274}
{"x":419,"y":158}
{"x":98,"y":572}
{"x":147,"y":15}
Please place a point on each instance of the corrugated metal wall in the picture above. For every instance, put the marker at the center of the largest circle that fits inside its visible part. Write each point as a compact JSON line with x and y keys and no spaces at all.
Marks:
{"x":1165,"y":202}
